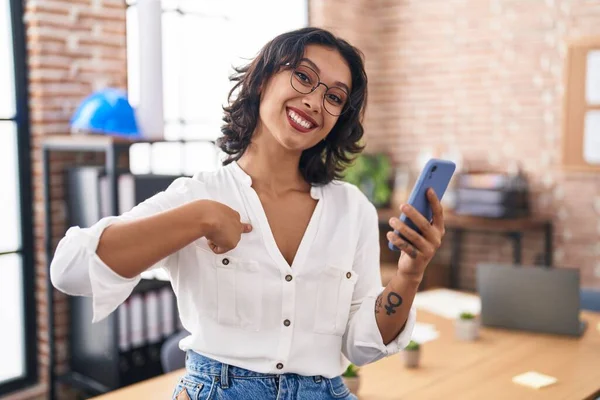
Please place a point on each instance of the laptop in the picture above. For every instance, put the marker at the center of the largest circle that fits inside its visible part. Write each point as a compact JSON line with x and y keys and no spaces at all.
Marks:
{"x":537,"y":299}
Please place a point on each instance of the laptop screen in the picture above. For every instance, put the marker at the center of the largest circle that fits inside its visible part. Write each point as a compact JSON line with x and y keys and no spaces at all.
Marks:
{"x":538,"y":299}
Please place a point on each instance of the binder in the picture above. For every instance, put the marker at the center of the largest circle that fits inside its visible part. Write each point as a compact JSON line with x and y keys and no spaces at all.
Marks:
{"x":167,"y":309}
{"x":153,"y":333}
{"x":124,"y":337}
{"x":125,"y":361}
{"x":138,"y":338}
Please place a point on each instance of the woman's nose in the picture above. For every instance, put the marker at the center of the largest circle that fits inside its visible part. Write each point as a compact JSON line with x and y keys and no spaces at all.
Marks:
{"x":314,"y":100}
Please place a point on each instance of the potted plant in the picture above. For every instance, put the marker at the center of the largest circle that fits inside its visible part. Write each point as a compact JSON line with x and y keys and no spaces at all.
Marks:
{"x":467,"y":326}
{"x":352,"y":379}
{"x":372,"y":174}
{"x":411,"y":354}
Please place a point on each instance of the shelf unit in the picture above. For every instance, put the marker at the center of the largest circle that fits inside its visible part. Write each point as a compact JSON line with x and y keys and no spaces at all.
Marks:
{"x":105,"y":335}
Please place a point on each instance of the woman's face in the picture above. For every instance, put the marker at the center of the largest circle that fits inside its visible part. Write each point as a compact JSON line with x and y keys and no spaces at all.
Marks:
{"x":299,"y":121}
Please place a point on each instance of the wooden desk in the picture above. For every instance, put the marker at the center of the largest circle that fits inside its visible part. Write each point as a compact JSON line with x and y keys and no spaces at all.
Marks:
{"x":513,"y":228}
{"x":451,"y":369}
{"x":159,"y":388}
{"x":484,"y":369}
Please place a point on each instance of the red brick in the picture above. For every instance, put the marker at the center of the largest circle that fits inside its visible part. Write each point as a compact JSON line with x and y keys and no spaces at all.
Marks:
{"x":466,"y":75}
{"x":59,"y":34}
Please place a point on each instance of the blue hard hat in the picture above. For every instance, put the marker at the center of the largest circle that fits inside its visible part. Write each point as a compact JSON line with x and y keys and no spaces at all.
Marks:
{"x":106,"y":111}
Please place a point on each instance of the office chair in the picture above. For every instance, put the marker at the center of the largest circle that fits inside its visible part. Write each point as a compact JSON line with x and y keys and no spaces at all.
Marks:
{"x":590,"y":299}
{"x":171,"y":356}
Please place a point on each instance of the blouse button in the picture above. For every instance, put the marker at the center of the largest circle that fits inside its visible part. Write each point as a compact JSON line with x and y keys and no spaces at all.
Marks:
{"x":280,"y":366}
{"x":288,"y":278}
{"x":287,"y":322}
{"x":348,"y":275}
{"x":225,"y":261}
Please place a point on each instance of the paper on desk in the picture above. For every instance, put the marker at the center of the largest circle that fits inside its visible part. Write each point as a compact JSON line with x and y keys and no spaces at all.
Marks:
{"x":534,"y":380}
{"x":447,"y":303}
{"x":424,"y":333}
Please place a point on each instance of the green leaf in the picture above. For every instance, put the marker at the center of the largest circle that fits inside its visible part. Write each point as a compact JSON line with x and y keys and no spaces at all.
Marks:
{"x":467,"y":315}
{"x":412,"y":345}
{"x":351,"y":371}
{"x":372,"y":174}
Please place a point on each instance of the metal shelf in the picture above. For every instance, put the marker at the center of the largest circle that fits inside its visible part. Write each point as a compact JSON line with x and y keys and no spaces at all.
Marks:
{"x":112,"y":147}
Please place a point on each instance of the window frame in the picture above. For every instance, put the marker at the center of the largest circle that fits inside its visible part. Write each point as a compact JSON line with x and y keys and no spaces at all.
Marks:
{"x":21,"y":118}
{"x":575,"y":106}
{"x":182,"y":122}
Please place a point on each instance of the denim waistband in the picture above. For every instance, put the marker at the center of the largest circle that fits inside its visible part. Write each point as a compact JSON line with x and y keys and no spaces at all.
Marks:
{"x":195,"y":362}
{"x":198,"y":363}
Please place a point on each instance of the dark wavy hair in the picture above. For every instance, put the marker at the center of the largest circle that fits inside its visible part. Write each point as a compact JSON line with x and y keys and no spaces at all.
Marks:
{"x":326,"y":160}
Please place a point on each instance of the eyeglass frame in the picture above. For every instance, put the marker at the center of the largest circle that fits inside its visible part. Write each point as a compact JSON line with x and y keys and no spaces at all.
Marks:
{"x":346,"y":107}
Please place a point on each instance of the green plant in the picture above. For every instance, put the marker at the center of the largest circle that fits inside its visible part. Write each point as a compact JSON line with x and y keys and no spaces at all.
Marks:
{"x":351,"y":371}
{"x":412,"y":346}
{"x":467,"y":315}
{"x":372,"y":174}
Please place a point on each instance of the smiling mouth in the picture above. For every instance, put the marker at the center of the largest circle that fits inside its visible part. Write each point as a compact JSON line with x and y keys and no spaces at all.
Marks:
{"x":299,"y":122}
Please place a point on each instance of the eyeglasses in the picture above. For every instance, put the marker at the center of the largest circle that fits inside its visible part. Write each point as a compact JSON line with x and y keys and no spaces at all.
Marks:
{"x":305,"y":80}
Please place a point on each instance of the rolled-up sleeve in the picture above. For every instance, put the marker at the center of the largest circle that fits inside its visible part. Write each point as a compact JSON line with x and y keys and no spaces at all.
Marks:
{"x":77,"y":270}
{"x":362,"y":342}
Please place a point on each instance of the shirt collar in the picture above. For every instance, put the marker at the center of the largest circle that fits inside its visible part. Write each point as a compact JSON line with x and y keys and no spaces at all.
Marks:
{"x":241,"y":176}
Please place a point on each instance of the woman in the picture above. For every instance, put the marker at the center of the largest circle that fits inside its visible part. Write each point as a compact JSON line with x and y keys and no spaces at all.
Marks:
{"x":275,"y":263}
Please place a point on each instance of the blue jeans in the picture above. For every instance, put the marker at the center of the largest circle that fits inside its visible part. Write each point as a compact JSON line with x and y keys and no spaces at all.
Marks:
{"x":206,"y":379}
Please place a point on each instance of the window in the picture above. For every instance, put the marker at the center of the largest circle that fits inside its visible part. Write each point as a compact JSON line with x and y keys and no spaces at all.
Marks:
{"x":17,"y":314}
{"x":581,"y":129}
{"x":201,"y":41}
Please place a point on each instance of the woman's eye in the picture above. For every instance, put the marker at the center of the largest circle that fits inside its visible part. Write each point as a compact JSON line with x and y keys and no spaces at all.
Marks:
{"x":303,"y":77}
{"x":335,"y":99}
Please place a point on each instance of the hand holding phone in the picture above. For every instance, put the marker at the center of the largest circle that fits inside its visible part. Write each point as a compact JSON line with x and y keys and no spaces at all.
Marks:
{"x":436,"y":175}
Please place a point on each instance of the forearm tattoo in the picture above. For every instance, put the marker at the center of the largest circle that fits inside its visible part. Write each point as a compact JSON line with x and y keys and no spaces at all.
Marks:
{"x":378,"y":304}
{"x":394,"y":300}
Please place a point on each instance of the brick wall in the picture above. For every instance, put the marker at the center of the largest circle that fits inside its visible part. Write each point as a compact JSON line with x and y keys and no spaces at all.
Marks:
{"x":74,"y":47}
{"x":356,"y":21}
{"x":484,"y":78}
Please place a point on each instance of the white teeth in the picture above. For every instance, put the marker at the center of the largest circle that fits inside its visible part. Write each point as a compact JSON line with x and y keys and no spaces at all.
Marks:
{"x":299,"y":120}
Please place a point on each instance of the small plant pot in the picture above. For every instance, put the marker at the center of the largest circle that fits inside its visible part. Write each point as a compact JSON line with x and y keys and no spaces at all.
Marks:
{"x":411,"y":358}
{"x":467,"y":329}
{"x":353,"y":384}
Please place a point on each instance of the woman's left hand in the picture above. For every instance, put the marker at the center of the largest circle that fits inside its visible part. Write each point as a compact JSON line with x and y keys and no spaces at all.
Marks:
{"x":417,"y":254}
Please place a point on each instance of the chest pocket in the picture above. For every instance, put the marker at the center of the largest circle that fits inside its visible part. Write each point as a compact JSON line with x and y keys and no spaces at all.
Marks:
{"x":334,"y":298}
{"x":234,"y":286}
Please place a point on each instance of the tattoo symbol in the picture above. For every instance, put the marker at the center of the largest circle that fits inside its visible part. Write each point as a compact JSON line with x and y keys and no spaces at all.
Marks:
{"x":378,"y":304}
{"x":394,"y":301}
{"x":412,"y":252}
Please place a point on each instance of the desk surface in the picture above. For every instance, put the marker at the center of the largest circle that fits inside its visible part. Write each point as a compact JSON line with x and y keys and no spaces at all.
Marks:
{"x":484,"y":369}
{"x":471,"y":370}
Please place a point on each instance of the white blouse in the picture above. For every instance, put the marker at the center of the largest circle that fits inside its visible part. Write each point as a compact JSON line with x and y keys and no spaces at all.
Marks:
{"x":247,"y":307}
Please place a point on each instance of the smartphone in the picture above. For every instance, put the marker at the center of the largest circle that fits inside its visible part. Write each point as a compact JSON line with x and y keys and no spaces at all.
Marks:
{"x":437,"y":175}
